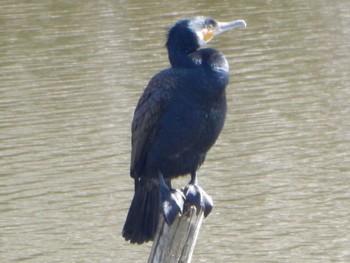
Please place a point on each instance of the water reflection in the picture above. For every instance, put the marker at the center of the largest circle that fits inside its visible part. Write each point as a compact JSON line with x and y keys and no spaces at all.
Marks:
{"x":70,"y":77}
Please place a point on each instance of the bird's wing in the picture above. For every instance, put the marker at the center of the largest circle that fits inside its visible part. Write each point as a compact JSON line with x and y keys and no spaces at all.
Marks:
{"x":147,"y":118}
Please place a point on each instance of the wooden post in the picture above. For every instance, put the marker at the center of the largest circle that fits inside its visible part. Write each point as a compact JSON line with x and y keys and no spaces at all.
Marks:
{"x":175,"y":243}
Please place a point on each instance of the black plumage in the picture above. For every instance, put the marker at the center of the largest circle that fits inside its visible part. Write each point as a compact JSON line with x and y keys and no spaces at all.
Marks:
{"x":177,"y":119}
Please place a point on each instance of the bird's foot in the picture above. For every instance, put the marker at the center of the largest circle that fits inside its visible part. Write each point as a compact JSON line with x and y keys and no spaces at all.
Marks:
{"x":196,"y":196}
{"x":172,"y":204}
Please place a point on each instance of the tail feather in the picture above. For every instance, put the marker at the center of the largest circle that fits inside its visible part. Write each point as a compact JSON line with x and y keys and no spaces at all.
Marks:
{"x":143,"y":216}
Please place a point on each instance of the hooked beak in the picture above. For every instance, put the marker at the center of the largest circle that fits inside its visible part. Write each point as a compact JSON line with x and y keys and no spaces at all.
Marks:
{"x":222,"y":27}
{"x":226,"y":26}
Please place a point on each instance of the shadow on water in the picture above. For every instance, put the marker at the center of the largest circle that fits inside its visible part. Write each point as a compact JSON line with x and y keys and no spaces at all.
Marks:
{"x":71,"y":74}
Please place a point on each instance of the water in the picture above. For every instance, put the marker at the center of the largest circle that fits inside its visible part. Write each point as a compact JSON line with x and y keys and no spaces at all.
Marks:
{"x":71,"y":74}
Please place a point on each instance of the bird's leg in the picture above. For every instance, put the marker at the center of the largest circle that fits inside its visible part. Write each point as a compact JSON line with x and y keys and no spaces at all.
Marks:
{"x":172,"y":201}
{"x":195,"y":195}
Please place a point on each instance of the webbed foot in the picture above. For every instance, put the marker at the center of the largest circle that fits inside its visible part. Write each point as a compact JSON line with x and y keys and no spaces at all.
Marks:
{"x":196,"y":196}
{"x":172,"y":202}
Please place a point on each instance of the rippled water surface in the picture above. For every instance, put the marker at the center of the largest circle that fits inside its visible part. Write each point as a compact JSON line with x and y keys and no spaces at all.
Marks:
{"x":70,"y":76}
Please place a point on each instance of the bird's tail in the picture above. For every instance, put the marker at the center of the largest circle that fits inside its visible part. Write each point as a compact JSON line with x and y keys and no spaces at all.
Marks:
{"x":143,"y":216}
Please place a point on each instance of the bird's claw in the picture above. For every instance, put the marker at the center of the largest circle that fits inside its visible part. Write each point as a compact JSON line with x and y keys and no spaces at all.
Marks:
{"x":196,"y":196}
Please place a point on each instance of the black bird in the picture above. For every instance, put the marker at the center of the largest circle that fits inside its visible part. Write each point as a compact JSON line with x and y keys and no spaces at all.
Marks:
{"x":177,"y":119}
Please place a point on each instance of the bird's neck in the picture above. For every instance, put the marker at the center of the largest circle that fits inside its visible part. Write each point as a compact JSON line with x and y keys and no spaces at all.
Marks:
{"x":208,"y":58}
{"x":179,"y":49}
{"x":180,"y":59}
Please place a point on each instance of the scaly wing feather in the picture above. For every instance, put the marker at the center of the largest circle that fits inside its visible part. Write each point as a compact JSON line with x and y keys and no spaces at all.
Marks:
{"x":147,"y":118}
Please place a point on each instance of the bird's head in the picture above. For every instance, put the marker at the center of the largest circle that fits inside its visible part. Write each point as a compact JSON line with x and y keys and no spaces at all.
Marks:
{"x":190,"y":34}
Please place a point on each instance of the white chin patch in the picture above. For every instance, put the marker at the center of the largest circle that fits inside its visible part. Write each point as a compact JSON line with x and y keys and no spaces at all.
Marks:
{"x":200,"y":38}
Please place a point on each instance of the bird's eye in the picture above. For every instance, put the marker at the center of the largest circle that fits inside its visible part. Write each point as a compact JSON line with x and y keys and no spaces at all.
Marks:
{"x":210,"y":26}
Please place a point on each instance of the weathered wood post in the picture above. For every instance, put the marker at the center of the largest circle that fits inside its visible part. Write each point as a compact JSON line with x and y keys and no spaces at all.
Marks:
{"x":175,"y":243}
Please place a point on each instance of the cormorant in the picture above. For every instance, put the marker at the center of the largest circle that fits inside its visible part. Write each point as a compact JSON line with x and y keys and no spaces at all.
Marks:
{"x":177,"y":119}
